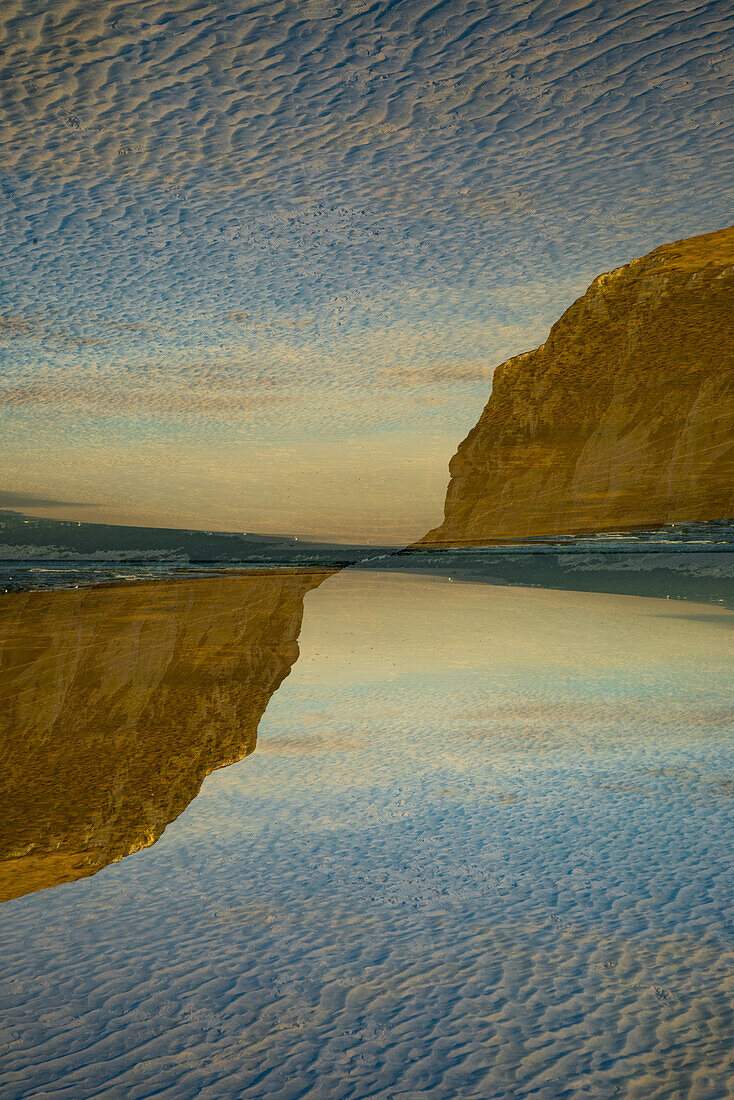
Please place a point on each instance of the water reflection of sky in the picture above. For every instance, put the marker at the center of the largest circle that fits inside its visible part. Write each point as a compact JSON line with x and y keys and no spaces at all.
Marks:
{"x":482,"y":848}
{"x":272,"y":255}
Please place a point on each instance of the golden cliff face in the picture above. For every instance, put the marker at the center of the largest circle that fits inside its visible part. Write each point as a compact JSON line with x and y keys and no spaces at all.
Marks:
{"x":623,"y":418}
{"x":117,"y":702}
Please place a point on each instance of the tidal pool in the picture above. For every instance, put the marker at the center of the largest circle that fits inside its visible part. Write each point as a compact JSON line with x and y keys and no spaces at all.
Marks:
{"x":482,"y":848}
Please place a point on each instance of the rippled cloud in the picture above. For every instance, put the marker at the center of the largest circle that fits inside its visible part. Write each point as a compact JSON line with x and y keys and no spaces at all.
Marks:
{"x":270,"y":221}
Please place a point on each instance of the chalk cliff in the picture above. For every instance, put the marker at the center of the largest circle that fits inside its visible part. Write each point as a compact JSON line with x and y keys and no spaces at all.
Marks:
{"x":117,"y":702}
{"x":623,"y":418}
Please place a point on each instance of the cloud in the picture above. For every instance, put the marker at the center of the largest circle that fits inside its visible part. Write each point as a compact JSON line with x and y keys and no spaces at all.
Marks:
{"x":12,"y":327}
{"x":203,"y":391}
{"x":445,"y":375}
{"x":332,"y":216}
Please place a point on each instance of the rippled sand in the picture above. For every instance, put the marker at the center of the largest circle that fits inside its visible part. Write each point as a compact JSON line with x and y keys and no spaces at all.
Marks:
{"x":482,"y":850}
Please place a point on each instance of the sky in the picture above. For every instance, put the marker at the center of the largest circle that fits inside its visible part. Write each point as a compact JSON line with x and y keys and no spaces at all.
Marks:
{"x":260,"y":259}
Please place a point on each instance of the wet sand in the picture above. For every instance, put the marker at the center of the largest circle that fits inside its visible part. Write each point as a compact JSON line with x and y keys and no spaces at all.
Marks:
{"x":482,"y":850}
{"x":116,"y":702}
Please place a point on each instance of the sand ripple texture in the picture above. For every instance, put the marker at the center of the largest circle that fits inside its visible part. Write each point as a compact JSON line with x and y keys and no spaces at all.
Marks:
{"x":483,"y":850}
{"x":222,"y":210}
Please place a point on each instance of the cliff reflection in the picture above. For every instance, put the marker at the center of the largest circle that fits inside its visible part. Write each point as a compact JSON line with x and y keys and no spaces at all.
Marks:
{"x":117,"y":702}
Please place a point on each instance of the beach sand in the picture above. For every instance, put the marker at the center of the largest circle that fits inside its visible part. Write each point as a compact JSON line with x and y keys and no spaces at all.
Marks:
{"x":482,"y":850}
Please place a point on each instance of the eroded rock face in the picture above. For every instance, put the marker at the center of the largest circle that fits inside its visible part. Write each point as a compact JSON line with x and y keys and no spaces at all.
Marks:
{"x":623,"y":418}
{"x":117,"y":702}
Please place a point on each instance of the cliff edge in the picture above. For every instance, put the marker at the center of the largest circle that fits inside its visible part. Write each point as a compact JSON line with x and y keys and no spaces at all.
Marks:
{"x":623,"y":418}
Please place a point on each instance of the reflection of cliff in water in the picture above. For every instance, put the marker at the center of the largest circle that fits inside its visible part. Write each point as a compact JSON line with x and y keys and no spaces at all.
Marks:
{"x":116,"y":703}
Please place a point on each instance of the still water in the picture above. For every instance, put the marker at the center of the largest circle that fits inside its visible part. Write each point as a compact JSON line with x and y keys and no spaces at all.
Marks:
{"x":480,"y":844}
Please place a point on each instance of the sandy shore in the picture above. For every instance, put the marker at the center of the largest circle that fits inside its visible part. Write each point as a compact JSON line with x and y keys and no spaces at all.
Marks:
{"x":482,"y":850}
